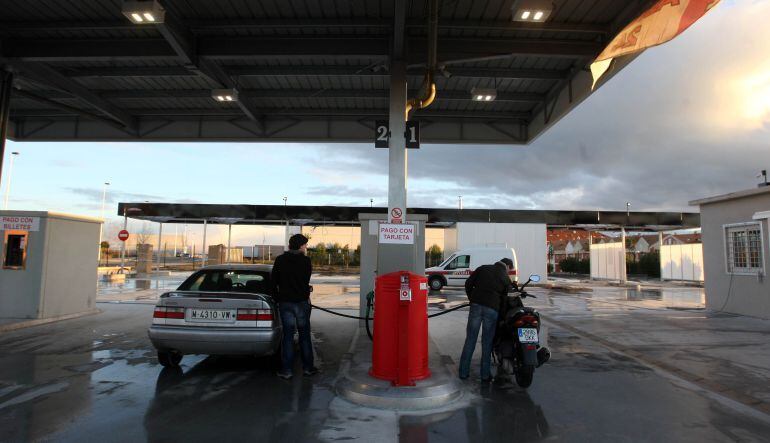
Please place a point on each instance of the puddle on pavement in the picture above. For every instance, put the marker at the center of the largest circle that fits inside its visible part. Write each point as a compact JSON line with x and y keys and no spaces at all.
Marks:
{"x":670,"y":298}
{"x":163,"y":283}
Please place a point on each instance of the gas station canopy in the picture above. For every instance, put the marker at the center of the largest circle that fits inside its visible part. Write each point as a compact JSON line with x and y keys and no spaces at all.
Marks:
{"x":296,"y":70}
{"x":436,"y":217}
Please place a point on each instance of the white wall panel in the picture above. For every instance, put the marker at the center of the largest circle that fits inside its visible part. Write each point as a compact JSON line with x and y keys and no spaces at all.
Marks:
{"x":682,"y":262}
{"x":527,"y":239}
{"x":607,"y":261}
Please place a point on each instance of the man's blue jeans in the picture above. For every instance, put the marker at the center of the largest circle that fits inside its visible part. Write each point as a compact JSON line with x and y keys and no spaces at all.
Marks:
{"x":295,"y":316}
{"x":484,"y":318}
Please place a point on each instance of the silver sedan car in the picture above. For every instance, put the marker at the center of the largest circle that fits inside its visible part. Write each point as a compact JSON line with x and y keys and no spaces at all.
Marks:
{"x":218,"y":310}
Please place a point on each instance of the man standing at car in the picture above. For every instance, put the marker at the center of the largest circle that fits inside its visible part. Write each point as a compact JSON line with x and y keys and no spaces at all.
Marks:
{"x":291,"y":277}
{"x":487,"y":290}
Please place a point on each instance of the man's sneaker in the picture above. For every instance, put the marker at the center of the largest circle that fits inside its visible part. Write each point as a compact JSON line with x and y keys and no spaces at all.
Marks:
{"x":310,"y":372}
{"x":284,"y":375}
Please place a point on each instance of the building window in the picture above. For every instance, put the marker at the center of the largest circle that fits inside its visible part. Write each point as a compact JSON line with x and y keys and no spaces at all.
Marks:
{"x":15,"y":250}
{"x":744,"y":249}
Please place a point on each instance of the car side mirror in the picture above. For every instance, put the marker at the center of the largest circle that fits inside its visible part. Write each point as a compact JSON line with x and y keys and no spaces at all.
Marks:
{"x":534,"y":278}
{"x":311,"y":288}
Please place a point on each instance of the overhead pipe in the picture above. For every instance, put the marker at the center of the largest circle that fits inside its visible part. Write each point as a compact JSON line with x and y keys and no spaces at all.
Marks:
{"x":428,"y":88}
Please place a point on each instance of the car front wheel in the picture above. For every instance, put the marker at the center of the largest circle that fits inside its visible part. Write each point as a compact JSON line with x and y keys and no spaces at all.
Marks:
{"x":169,"y":359}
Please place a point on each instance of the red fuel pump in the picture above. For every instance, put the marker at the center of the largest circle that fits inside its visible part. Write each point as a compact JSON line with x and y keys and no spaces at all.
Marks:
{"x":400,"y":352}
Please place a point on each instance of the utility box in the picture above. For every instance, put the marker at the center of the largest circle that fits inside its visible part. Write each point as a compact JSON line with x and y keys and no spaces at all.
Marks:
{"x":48,"y":264}
{"x":144,"y":258}
{"x":217,"y":255}
{"x":400,"y":349}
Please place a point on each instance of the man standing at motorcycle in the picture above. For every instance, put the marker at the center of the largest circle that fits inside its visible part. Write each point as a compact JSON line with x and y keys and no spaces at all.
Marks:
{"x":487,"y":289}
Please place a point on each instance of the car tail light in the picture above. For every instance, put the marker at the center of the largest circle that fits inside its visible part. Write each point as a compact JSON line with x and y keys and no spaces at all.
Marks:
{"x":526,"y":320}
{"x":166,"y":312}
{"x":246,"y":315}
{"x":255,"y":315}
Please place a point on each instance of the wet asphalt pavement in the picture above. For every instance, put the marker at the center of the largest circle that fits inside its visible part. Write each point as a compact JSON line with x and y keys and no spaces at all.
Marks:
{"x":97,"y":379}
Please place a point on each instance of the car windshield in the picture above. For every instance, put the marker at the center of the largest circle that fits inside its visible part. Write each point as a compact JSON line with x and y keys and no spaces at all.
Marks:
{"x":224,"y":280}
{"x":448,"y":260}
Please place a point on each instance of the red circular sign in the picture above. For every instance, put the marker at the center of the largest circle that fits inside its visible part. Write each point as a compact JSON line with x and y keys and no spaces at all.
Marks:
{"x":123,"y":235}
{"x":396,"y":213}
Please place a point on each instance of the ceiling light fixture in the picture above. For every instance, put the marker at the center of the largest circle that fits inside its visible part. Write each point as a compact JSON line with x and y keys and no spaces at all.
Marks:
{"x":536,"y":11}
{"x":225,"y":95}
{"x":483,"y":94}
{"x":143,"y":12}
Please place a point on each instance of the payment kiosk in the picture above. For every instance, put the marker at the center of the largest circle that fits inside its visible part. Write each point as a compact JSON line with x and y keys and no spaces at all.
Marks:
{"x":48,"y":264}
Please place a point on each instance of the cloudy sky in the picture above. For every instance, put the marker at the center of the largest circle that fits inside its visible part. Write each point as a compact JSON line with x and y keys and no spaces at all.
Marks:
{"x":685,"y":120}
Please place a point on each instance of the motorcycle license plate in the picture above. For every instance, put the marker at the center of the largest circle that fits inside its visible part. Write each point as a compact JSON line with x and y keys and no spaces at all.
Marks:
{"x":528,"y":335}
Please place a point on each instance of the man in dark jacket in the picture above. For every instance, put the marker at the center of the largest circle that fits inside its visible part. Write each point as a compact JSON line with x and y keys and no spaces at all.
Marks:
{"x":487,"y":289}
{"x":291,"y":277}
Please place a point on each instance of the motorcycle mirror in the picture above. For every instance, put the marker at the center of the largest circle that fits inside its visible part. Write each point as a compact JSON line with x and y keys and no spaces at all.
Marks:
{"x":534,"y":278}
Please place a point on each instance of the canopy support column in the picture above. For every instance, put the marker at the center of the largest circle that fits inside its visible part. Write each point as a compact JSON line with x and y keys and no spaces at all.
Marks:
{"x":6,"y":82}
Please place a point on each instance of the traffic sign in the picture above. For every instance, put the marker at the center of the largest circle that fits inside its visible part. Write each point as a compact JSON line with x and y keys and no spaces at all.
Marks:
{"x":123,"y":235}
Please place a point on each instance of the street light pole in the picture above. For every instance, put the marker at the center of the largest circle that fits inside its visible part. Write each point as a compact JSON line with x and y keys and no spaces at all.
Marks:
{"x":123,"y":243}
{"x":101,"y":228}
{"x":460,"y":202}
{"x":8,"y":184}
{"x":286,"y":216}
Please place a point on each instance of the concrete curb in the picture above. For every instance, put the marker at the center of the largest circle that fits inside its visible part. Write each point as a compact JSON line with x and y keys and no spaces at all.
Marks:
{"x":43,"y":321}
{"x":355,"y":385}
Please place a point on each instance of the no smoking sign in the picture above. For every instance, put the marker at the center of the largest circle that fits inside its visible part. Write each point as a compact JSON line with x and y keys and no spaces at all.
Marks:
{"x":395,"y":215}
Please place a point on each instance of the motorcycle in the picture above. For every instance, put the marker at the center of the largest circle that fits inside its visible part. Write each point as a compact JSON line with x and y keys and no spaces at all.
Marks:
{"x":517,"y":349}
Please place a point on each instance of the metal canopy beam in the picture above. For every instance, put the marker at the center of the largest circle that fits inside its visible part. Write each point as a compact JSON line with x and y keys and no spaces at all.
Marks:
{"x":311,"y":70}
{"x":42,"y":74}
{"x":144,"y":94}
{"x":239,"y":48}
{"x":69,"y":110}
{"x":271,"y":23}
{"x":311,"y":215}
{"x":184,"y":44}
{"x":285,"y":112}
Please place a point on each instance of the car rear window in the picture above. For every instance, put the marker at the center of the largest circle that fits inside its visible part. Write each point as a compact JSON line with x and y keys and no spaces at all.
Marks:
{"x":228,"y":281}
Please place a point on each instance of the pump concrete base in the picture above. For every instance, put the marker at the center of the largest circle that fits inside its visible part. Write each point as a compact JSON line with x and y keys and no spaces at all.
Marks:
{"x":357,"y":386}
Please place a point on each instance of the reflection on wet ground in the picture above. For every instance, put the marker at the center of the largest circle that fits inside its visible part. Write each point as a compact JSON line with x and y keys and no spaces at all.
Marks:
{"x":97,"y":379}
{"x":652,"y":298}
{"x":158,"y":283}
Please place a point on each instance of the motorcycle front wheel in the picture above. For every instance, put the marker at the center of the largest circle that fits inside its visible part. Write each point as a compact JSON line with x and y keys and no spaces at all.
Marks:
{"x":524,"y":375}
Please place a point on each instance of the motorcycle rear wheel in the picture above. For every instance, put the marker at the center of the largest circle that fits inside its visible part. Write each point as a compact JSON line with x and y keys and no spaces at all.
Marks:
{"x":524,"y":375}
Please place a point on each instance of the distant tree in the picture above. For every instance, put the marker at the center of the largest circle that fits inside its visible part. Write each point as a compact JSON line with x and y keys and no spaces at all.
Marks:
{"x":356,"y":256}
{"x":435,"y":255}
{"x":104,"y":247}
{"x":346,"y":255}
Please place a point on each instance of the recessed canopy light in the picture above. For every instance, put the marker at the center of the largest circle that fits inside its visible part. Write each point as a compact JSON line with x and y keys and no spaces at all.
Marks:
{"x":531,"y":10}
{"x":483,"y":94}
{"x":225,"y":95}
{"x":143,"y":12}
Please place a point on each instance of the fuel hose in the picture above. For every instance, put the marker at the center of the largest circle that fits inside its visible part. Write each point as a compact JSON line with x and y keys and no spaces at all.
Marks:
{"x":370,"y":303}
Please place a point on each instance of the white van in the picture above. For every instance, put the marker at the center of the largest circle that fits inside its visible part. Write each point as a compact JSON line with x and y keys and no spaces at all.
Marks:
{"x":456,"y":269}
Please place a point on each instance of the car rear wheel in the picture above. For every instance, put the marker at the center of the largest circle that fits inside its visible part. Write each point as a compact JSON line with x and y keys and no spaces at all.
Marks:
{"x":169,"y":359}
{"x":436,"y":284}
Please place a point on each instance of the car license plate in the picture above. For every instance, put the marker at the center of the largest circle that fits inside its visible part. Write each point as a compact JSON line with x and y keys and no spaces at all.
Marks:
{"x":212,"y":315}
{"x":528,"y":335}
